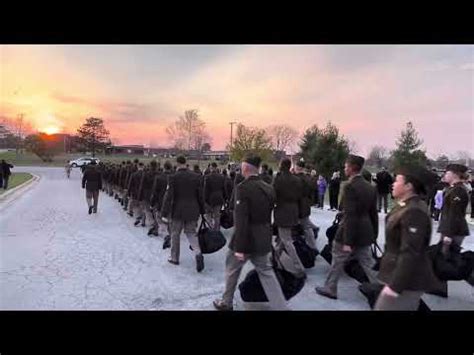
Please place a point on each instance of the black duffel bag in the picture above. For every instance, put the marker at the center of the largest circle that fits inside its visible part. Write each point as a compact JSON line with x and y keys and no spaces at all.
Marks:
{"x":227,"y":218}
{"x":251,"y":289}
{"x":447,"y":267}
{"x":210,"y":240}
{"x":326,"y":253}
{"x":306,"y":254}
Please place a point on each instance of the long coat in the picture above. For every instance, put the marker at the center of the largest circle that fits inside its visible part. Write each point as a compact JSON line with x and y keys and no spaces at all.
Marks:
{"x":453,"y":213}
{"x":359,"y":224}
{"x":288,"y":192}
{"x":383,"y":180}
{"x":92,"y":179}
{"x":214,"y":189}
{"x":254,"y":201}
{"x":405,"y":264}
{"x":183,"y":198}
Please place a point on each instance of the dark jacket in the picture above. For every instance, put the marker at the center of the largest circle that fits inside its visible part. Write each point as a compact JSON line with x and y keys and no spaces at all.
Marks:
{"x":6,"y":169}
{"x":359,"y":224}
{"x":288,"y":192}
{"x":383,"y":181}
{"x":183,"y":198}
{"x":146,"y":186}
{"x":214,"y":189}
{"x":453,"y":213}
{"x":334,"y":185}
{"x":265,"y":176}
{"x":134,"y":184}
{"x":92,"y":179}
{"x":229,"y":187}
{"x":159,"y":188}
{"x":405,"y":264}
{"x":307,"y":195}
{"x":254,"y":201}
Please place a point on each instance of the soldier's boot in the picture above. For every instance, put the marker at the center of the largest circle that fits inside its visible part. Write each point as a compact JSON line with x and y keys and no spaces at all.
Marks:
{"x":199,"y":263}
{"x":137,"y":222}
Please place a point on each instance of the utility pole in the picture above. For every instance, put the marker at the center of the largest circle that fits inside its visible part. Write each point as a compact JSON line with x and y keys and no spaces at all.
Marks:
{"x":231,"y":132}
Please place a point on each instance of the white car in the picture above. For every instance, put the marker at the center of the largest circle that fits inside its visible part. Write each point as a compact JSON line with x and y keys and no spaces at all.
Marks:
{"x":82,"y":161}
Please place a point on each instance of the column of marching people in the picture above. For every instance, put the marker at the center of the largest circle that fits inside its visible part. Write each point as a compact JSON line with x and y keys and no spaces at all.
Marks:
{"x":169,"y":200}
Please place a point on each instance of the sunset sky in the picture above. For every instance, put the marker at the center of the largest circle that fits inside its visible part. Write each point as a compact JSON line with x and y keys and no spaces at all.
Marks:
{"x":369,"y":92}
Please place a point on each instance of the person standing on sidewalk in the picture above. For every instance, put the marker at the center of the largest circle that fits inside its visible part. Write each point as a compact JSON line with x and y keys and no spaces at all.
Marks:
{"x":334,"y":187}
{"x":383,"y":181}
{"x":92,"y":182}
{"x":5,"y":167}
{"x":252,"y":238}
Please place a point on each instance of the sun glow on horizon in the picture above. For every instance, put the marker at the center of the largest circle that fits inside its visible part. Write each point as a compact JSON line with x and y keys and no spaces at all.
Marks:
{"x":50,"y":130}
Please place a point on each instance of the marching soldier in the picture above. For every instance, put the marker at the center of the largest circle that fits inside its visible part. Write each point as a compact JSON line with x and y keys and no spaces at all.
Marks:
{"x":405,"y":268}
{"x":288,"y":192}
{"x":252,"y":239}
{"x":184,"y":203}
{"x":453,"y":225}
{"x":144,"y":194}
{"x":357,"y":230}
{"x":158,"y":191}
{"x":92,"y":182}
{"x":305,"y":204}
{"x":134,"y":183}
{"x":214,"y":195}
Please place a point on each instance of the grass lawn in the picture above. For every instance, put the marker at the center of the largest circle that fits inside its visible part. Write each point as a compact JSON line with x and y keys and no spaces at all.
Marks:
{"x":17,"y":179}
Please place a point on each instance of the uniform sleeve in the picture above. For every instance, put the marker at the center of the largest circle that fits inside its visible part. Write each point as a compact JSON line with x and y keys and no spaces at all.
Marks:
{"x":350,"y":215}
{"x":100,"y":181}
{"x":167,"y":198}
{"x":200,"y":195}
{"x":153,"y":191}
{"x":241,"y":218}
{"x":84,"y":179}
{"x":374,"y":217}
{"x":415,"y":230}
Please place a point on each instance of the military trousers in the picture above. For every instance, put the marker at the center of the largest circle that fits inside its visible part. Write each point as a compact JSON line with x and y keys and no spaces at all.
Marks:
{"x":214,"y":216}
{"x":92,"y":196}
{"x":308,"y":231}
{"x":189,"y":227}
{"x":339,"y":259}
{"x":285,"y":241}
{"x":264,"y":269}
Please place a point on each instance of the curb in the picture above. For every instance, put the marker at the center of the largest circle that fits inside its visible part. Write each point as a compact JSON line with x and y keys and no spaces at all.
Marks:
{"x":19,"y":190}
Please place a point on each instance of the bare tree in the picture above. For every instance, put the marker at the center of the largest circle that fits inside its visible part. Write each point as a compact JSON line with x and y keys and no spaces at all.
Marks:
{"x":188,"y":132}
{"x":282,"y":136}
{"x":378,"y":156}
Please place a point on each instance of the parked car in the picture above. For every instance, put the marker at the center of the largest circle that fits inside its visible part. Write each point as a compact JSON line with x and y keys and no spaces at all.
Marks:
{"x":82,"y":161}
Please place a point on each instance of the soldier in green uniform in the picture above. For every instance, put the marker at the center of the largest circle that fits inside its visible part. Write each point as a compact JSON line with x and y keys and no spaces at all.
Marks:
{"x":405,"y":268}
{"x":252,"y":238}
{"x":453,"y":225}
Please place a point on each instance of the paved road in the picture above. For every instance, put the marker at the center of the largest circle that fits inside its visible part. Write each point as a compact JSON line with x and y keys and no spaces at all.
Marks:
{"x":56,"y":256}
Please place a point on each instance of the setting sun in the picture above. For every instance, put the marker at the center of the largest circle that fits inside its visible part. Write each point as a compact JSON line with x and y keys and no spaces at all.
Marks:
{"x":50,"y":130}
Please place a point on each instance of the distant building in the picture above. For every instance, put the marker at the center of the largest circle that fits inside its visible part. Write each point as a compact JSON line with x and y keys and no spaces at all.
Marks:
{"x":126,"y":149}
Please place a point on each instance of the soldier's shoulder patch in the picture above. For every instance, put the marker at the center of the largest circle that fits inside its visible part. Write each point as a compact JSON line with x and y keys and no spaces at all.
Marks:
{"x":457,"y":198}
{"x":237,"y":202}
{"x":412,"y":229}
